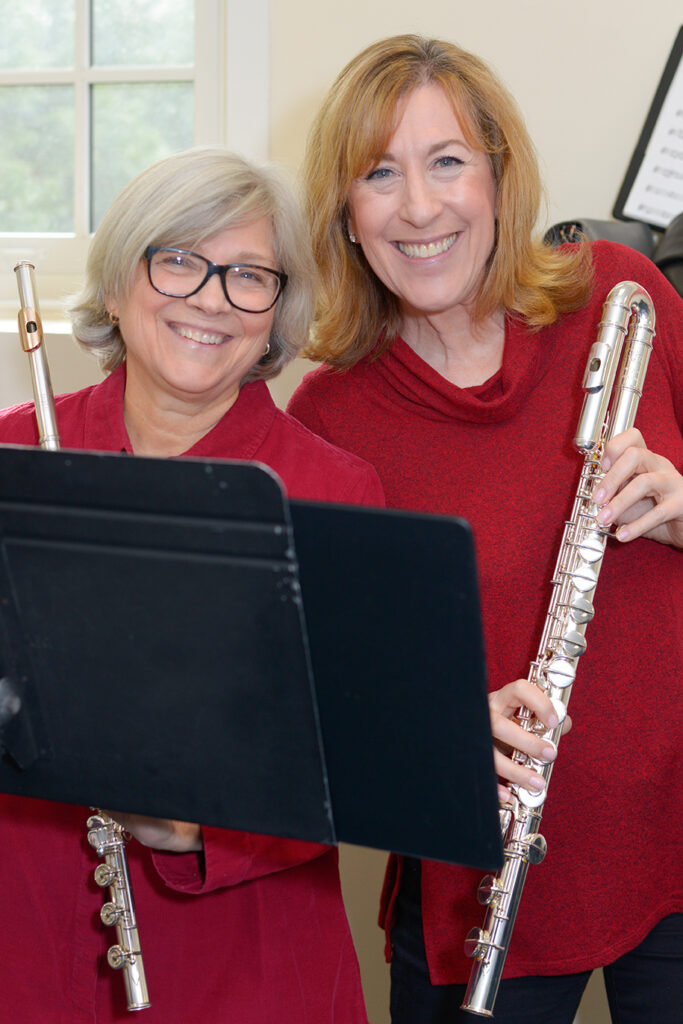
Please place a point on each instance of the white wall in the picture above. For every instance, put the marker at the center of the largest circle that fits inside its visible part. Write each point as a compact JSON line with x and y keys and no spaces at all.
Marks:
{"x":584,"y":75}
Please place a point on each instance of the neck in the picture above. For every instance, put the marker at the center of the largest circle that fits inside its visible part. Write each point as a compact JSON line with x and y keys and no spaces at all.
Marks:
{"x":464,"y":352}
{"x":170,"y":426}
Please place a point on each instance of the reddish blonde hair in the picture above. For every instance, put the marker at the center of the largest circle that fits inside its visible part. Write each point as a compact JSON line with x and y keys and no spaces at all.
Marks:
{"x":349,"y":136}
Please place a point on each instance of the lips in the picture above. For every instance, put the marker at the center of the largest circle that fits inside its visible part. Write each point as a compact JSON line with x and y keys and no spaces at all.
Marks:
{"x":202,"y":337}
{"x":425,"y":250}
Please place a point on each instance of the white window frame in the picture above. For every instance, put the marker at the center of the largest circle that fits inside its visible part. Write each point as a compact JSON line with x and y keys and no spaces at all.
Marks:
{"x":231,"y":57}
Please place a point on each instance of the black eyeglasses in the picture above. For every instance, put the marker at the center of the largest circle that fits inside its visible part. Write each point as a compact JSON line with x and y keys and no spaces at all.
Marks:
{"x":179,"y":273}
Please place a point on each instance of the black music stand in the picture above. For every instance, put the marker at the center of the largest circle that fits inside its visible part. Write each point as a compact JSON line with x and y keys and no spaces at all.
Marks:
{"x":179,"y":640}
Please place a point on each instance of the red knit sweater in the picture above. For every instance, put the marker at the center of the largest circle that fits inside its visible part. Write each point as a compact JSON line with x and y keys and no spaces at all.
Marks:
{"x":501,"y":456}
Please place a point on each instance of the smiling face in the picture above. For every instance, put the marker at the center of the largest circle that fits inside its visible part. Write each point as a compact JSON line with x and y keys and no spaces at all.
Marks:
{"x":425,"y":215}
{"x":198,"y":349}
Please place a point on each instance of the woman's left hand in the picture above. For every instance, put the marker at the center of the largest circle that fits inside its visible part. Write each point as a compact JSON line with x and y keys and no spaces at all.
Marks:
{"x":641,"y":492}
{"x":161,"y":833}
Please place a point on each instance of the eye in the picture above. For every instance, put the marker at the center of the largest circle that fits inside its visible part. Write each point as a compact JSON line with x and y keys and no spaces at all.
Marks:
{"x":379,"y":174}
{"x":253,"y":276}
{"x":447,"y":162}
{"x":177,"y":260}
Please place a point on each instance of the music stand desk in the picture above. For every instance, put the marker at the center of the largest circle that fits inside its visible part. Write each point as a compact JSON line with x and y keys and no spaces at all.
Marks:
{"x":179,"y":640}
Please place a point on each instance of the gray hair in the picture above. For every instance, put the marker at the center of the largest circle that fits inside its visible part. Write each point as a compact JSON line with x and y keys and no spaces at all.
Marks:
{"x":180,"y":201}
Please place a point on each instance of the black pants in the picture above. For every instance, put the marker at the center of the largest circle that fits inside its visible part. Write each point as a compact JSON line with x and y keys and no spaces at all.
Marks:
{"x":643,"y":987}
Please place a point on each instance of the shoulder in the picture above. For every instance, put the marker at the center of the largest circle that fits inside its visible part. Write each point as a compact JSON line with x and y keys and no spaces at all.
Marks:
{"x":328,"y":391}
{"x":319,"y":382}
{"x":313,"y":468}
{"x":18,"y":424}
{"x":614,"y":262}
{"x":662,"y":391}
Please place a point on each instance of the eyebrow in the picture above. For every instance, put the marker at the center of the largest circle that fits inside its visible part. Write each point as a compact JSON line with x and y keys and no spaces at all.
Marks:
{"x":253,"y":257}
{"x":245,"y":256}
{"x":435,"y":147}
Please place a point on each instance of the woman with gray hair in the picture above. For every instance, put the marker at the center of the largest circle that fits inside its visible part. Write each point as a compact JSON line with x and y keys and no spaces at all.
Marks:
{"x":198,"y":289}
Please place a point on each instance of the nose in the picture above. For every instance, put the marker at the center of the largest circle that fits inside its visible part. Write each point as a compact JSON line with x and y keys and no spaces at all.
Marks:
{"x":420,"y":201}
{"x":210,"y":298}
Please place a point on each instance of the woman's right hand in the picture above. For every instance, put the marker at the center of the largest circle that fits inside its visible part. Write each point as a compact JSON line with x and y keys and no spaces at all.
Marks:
{"x":161,"y":833}
{"x":508,"y":735}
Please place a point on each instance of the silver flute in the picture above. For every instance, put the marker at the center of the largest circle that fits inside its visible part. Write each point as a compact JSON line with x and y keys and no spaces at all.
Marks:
{"x":626,"y":326}
{"x":105,"y":835}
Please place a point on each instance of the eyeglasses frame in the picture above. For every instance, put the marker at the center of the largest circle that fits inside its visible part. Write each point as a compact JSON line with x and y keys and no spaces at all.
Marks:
{"x":214,"y":268}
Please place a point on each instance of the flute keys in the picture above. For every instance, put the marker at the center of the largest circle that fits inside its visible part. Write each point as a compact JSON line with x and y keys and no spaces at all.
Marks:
{"x":531,"y":798}
{"x":478,"y":943}
{"x":104,"y":875}
{"x":117,"y":957}
{"x":560,"y":708}
{"x":506,"y":816}
{"x":97,"y":834}
{"x":109,"y":914}
{"x":573,"y":644}
{"x":536,"y":848}
{"x":585,"y":578}
{"x":560,"y":672}
{"x":580,"y":609}
{"x":592,"y":547}
{"x":489,"y":890}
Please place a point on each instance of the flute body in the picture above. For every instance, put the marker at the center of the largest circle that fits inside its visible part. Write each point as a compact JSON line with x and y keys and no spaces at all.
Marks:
{"x":627,"y":326}
{"x":105,"y":835}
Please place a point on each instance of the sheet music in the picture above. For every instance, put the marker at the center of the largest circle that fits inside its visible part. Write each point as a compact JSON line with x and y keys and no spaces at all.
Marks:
{"x":656,"y":195}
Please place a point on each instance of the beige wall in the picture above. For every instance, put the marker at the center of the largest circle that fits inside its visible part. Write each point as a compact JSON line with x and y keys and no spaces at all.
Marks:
{"x":584,"y":75}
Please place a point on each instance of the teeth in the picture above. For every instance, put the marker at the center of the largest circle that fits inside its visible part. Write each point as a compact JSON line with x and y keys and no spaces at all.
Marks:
{"x":423,"y":252}
{"x":201,"y":336}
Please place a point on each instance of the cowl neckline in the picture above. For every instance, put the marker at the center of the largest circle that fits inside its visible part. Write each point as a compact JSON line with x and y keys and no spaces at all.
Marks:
{"x":526,"y":358}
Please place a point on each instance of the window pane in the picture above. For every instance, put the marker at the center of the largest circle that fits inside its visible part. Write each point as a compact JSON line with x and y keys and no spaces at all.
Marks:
{"x":134,"y":125}
{"x":37,"y":34}
{"x":36,"y":162}
{"x":132,"y":32}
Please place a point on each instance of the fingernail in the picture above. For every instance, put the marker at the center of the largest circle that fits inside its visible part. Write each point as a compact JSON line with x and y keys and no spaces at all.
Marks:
{"x":623,"y":533}
{"x":549,"y":753}
{"x":537,"y":783}
{"x":553,"y":721}
{"x":604,"y":516}
{"x":606,"y":462}
{"x":599,"y":495}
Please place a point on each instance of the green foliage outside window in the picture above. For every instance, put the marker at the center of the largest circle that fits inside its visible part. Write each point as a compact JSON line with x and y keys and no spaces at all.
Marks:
{"x":127,"y":125}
